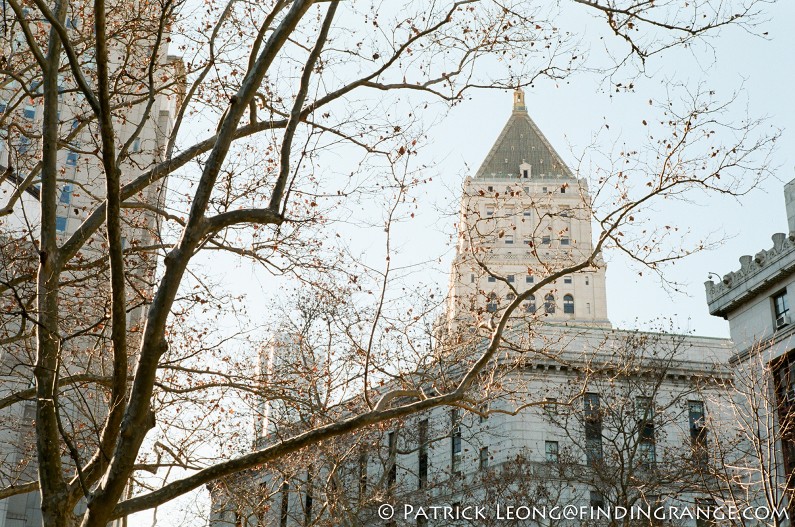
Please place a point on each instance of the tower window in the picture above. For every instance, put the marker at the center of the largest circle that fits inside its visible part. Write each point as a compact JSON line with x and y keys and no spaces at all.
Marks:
{"x":549,"y":304}
{"x":455,"y":441}
{"x":510,"y":278}
{"x":491,"y":306}
{"x":529,"y":279}
{"x":530,"y":305}
{"x":587,"y":280}
{"x":489,"y":210}
{"x":509,"y":239}
{"x":525,"y":173}
{"x":568,"y":304}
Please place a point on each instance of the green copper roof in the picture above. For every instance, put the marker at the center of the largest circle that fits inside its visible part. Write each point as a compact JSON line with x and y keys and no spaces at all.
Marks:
{"x":522,"y":142}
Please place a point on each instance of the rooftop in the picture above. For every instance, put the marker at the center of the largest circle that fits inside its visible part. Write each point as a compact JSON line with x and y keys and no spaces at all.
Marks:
{"x":522,"y":143}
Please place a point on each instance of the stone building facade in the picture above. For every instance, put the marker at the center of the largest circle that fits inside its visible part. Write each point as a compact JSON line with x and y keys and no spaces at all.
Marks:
{"x":755,"y":300}
{"x":585,"y":414}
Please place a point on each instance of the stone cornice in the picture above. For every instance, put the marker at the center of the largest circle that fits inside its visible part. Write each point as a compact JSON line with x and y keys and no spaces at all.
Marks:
{"x":755,"y":273}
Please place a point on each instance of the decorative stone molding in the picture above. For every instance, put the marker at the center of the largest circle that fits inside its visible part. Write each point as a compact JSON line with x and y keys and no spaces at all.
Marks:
{"x":754,"y":272}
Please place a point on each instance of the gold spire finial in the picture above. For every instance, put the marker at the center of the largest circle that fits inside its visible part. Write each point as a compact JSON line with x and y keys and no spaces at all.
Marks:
{"x":518,"y":100}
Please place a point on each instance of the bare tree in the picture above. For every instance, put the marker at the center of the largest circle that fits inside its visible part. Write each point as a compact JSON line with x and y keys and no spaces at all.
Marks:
{"x":749,"y":462}
{"x":638,"y":433}
{"x":116,"y":347}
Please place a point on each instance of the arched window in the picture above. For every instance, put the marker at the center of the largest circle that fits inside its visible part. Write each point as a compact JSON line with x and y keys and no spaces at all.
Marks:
{"x":530,"y":305}
{"x":510,"y":297}
{"x":491,"y":306}
{"x":549,"y":303}
{"x":568,"y":304}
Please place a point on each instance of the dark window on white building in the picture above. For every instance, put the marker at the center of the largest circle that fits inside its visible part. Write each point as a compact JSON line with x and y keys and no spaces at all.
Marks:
{"x":568,"y":304}
{"x":392,"y":461}
{"x":423,"y":454}
{"x":698,"y":431}
{"x":284,"y":510}
{"x":549,"y":304}
{"x":483,"y":461}
{"x":781,"y":309}
{"x":646,"y":436}
{"x":593,"y":428}
{"x":551,"y":451}
{"x":362,"y":476}
{"x":491,"y":306}
{"x":530,"y":305}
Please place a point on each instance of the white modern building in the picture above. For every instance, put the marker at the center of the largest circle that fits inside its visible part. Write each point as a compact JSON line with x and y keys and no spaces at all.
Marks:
{"x":574,"y":412}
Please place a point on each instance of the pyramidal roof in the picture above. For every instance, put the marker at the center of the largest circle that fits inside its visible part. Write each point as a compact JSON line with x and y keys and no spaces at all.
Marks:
{"x":521,"y":142}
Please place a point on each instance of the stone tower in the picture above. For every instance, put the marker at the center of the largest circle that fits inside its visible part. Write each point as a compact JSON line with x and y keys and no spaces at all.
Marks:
{"x":525,"y":216}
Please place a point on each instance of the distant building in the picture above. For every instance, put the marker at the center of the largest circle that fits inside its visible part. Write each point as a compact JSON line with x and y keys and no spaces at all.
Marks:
{"x":580,"y":414}
{"x":523,"y":217}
